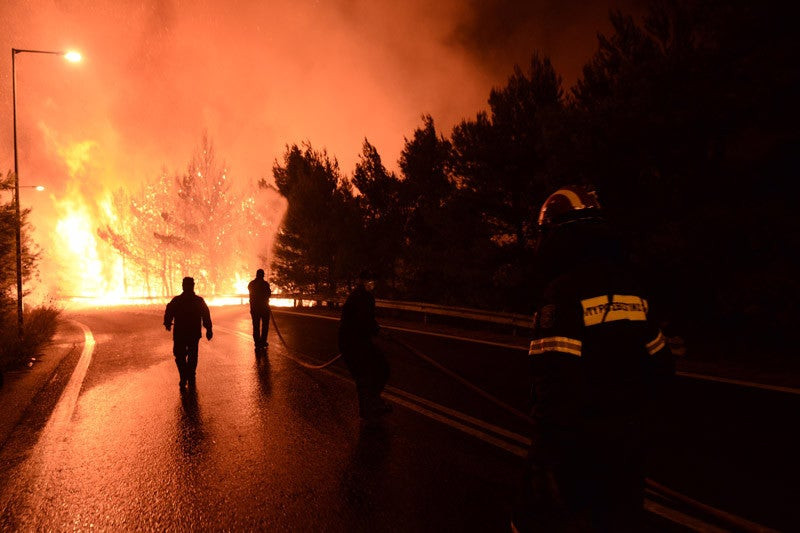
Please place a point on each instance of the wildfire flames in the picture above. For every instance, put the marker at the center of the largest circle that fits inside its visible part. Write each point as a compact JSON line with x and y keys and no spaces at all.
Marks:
{"x":140,"y":97}
{"x":127,"y":246}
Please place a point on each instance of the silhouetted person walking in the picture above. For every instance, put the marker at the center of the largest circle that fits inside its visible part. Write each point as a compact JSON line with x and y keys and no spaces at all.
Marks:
{"x":260,"y":292}
{"x":365,"y":361}
{"x":189,"y":311}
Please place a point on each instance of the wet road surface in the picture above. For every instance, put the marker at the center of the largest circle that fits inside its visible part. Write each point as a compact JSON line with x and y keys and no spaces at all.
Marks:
{"x":259,"y":444}
{"x":112,"y":443}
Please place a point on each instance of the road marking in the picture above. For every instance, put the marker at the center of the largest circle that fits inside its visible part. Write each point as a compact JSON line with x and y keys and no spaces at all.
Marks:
{"x":776,"y":388}
{"x":35,"y":475}
{"x":516,"y":450}
{"x":395,"y":394}
{"x":464,"y":417}
{"x":61,"y":415}
{"x":690,"y":375}
{"x":406,"y":399}
{"x":695,"y":524}
{"x":429,"y":333}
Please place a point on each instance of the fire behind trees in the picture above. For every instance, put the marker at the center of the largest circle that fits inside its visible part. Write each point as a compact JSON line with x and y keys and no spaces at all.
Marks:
{"x":684,"y":122}
{"x":194,"y":222}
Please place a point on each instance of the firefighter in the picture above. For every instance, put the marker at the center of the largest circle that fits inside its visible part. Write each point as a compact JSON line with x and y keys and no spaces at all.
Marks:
{"x":365,"y":361}
{"x":260,"y":293}
{"x":598,"y":362}
{"x":188,"y":311}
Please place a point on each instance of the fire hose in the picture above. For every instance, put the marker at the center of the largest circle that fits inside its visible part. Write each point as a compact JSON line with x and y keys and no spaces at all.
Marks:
{"x":652,"y":486}
{"x":334,"y":356}
{"x":493,"y":399}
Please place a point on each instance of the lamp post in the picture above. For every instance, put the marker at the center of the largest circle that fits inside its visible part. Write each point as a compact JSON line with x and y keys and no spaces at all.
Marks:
{"x":69,"y":56}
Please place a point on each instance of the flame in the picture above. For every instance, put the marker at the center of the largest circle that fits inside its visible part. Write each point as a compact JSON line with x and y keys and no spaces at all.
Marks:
{"x":112,"y":248}
{"x":83,"y":269}
{"x":77,"y":156}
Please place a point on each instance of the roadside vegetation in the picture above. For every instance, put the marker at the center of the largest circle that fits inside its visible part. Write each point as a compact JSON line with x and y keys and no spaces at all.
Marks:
{"x":684,"y":121}
{"x":40,"y":326}
{"x":40,"y":322}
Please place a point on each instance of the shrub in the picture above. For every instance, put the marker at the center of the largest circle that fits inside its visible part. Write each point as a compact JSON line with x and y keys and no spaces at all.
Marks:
{"x":40,"y":326}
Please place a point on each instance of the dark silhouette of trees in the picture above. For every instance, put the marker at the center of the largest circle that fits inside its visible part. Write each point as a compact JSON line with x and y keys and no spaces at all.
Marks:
{"x":383,"y":215}
{"x":316,"y":246}
{"x":503,"y":164}
{"x":8,"y":247}
{"x":684,"y":121}
{"x":425,"y":196}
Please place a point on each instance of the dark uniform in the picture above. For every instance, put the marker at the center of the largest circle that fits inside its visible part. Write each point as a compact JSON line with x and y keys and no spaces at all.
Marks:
{"x":188,"y":311}
{"x":598,"y":362}
{"x":366,"y":362}
{"x":260,"y":293}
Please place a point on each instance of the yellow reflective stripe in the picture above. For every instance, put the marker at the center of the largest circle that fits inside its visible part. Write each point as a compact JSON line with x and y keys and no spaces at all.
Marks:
{"x":555,"y":344}
{"x":598,"y":310}
{"x":657,"y":344}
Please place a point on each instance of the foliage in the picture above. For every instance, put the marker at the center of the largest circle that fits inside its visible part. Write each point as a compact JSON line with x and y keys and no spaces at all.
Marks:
{"x":40,"y":326}
{"x":317,"y":242}
{"x":684,"y":122}
{"x":191,"y":224}
{"x":383,"y":217}
{"x":503,"y":163}
{"x":8,"y":254}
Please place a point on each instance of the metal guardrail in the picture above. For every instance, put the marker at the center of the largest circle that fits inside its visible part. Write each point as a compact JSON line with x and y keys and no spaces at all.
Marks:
{"x":511,"y":319}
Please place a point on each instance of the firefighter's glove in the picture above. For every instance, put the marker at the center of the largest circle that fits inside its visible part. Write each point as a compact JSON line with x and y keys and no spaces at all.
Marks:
{"x":209,"y":334}
{"x":168,"y":327}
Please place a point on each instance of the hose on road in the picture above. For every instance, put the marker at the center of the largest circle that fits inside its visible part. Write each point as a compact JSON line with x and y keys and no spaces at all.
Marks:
{"x":659,"y":489}
{"x":334,"y":356}
{"x":500,"y":403}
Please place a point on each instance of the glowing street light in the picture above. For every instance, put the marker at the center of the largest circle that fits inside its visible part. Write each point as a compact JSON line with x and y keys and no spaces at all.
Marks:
{"x":69,"y":56}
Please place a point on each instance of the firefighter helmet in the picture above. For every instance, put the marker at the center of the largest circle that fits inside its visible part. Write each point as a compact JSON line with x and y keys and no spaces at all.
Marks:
{"x":570,"y":203}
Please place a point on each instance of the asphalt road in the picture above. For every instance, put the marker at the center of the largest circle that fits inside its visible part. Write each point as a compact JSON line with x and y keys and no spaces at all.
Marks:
{"x":112,"y":443}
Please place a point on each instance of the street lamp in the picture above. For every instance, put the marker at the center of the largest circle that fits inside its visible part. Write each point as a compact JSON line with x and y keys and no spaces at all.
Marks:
{"x":69,"y":56}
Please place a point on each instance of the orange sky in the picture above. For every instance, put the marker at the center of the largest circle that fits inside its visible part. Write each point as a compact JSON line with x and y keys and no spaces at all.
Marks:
{"x":158,"y":73}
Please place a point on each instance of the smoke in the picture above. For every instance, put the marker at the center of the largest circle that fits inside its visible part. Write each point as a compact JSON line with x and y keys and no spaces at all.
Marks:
{"x":255,"y":75}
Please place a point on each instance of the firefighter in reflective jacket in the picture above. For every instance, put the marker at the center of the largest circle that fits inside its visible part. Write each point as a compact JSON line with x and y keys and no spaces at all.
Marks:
{"x":598,"y":361}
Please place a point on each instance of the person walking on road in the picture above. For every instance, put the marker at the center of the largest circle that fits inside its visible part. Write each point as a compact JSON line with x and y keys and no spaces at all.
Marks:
{"x":598,"y":364}
{"x":187,"y":312}
{"x":365,"y":361}
{"x":260,"y":293}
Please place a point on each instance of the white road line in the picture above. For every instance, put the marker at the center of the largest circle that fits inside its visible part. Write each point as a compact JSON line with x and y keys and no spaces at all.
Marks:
{"x":690,"y":375}
{"x":61,"y":415}
{"x":411,"y":401}
{"x":464,"y":417}
{"x":516,"y":450}
{"x":420,"y":332}
{"x":408,"y":400}
{"x":683,"y":519}
{"x":35,"y":475}
{"x":776,"y":388}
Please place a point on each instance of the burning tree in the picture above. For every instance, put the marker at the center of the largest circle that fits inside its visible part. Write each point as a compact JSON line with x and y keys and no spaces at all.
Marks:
{"x":195,"y":223}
